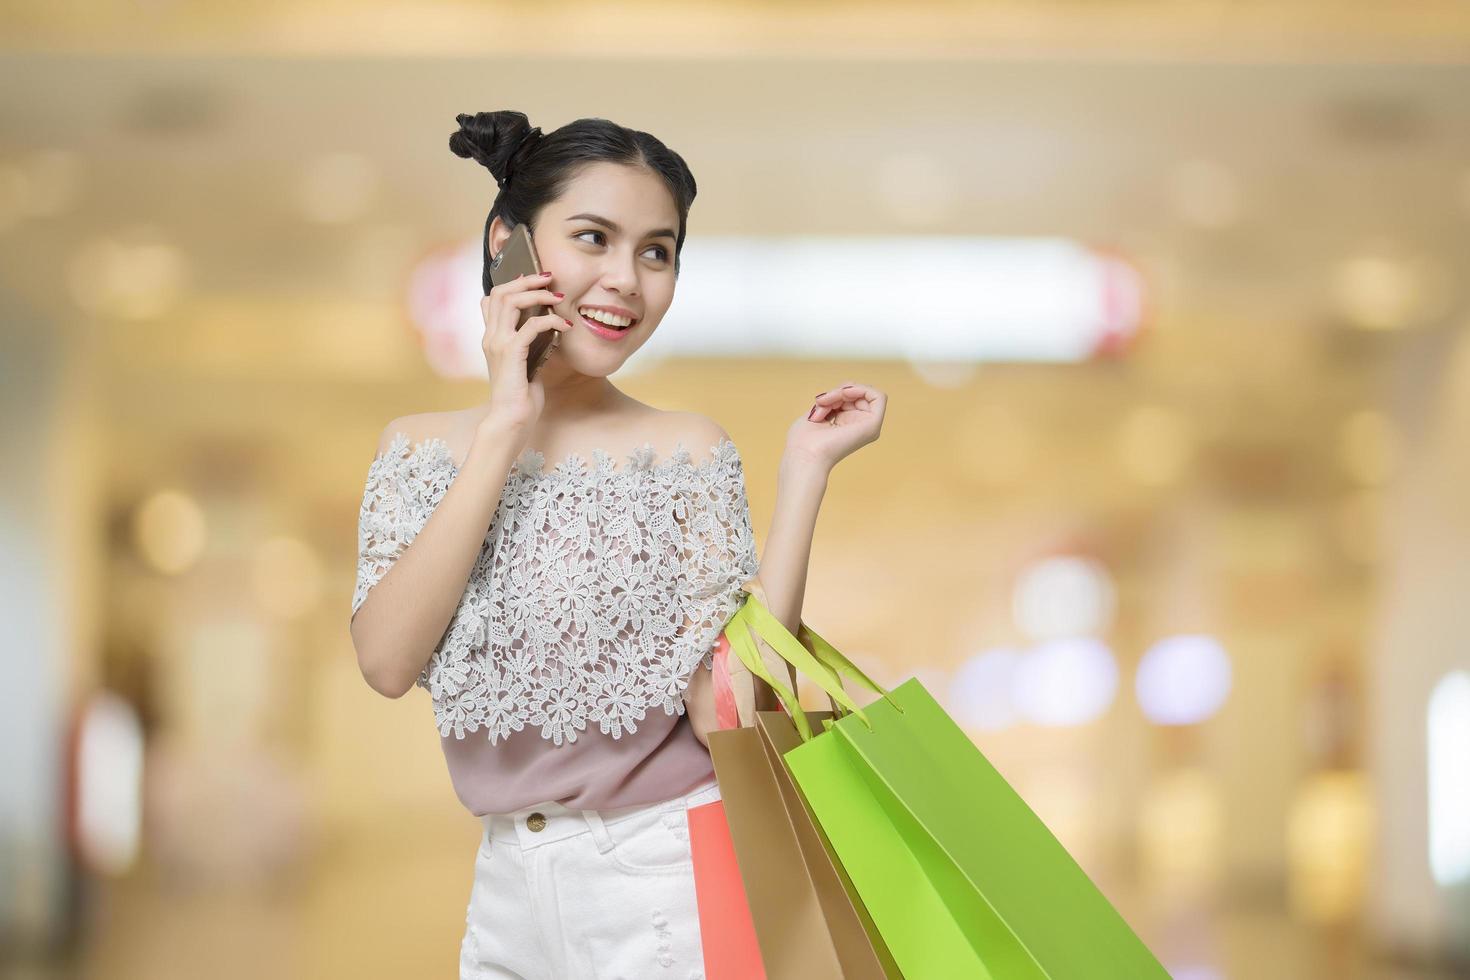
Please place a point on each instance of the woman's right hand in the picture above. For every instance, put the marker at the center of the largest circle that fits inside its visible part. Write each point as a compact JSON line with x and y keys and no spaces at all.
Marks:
{"x":515,"y":402}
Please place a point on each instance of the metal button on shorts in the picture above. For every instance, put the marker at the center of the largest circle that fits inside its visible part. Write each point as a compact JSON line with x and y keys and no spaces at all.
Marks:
{"x":536,"y":822}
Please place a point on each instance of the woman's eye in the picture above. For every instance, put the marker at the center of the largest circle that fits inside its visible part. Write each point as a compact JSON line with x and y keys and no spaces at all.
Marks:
{"x":663,"y":253}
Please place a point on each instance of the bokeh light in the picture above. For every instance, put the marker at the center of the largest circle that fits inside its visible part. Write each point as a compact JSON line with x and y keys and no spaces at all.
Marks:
{"x":1062,"y":596}
{"x":169,"y":531}
{"x":1449,"y":779}
{"x":1183,"y":680}
{"x":109,"y":783}
{"x":1066,"y":682}
{"x":1329,"y":824}
{"x":980,"y":693}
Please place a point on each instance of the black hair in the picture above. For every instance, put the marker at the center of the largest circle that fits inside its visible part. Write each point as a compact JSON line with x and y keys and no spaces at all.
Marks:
{"x":532,"y":170}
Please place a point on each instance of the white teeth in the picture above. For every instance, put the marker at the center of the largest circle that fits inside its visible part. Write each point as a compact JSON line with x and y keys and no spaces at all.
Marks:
{"x":607,"y":318}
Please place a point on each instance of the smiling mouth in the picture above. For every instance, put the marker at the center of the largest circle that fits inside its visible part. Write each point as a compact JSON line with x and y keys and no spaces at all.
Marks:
{"x":607,"y":326}
{"x":604,"y":331}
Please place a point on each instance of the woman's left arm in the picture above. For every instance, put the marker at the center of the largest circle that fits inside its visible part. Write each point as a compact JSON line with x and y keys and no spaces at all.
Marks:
{"x":844,"y":419}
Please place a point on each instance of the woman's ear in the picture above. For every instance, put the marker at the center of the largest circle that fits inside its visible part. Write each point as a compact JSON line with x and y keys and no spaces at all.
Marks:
{"x":497,"y":235}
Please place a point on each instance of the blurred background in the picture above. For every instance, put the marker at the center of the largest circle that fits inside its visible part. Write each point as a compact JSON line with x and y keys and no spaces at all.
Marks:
{"x":1171,"y":507}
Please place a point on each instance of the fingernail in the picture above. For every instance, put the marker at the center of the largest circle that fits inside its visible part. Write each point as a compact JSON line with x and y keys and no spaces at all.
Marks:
{"x":569,"y":322}
{"x":811,"y":413}
{"x":819,"y":394}
{"x":558,"y":295}
{"x":844,"y":387}
{"x":546,"y":273}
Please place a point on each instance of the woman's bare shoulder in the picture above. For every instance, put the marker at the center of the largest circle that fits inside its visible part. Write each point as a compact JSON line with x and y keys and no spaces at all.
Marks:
{"x":700,"y":434}
{"x":420,"y":426}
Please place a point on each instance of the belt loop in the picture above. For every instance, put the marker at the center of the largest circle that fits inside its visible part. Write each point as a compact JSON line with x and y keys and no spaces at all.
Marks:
{"x":600,"y":835}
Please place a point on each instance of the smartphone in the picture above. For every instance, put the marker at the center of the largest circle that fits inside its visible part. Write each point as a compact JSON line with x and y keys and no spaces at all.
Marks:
{"x":518,"y":258}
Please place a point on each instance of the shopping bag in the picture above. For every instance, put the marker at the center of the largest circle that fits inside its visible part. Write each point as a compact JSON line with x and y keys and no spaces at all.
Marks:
{"x":854,"y":934}
{"x":809,"y":925}
{"x":808,"y":921}
{"x":960,"y":877}
{"x":725,"y":929}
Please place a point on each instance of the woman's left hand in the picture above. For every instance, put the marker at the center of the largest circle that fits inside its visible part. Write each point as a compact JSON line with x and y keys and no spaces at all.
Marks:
{"x":842,"y":420}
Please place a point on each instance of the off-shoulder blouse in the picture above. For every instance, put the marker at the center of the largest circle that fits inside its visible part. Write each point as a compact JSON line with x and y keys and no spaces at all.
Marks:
{"x":596,"y":594}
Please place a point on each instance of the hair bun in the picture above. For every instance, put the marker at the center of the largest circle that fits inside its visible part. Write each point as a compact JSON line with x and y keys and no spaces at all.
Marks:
{"x":498,"y":141}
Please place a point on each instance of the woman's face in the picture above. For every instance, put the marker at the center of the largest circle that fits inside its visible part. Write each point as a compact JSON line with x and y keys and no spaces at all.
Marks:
{"x":608,"y":242}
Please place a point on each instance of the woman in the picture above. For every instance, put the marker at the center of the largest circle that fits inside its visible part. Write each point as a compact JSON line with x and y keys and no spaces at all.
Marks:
{"x":563,"y":618}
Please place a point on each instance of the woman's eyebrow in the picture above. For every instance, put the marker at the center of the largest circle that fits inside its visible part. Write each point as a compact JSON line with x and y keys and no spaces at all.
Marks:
{"x":613,"y":227}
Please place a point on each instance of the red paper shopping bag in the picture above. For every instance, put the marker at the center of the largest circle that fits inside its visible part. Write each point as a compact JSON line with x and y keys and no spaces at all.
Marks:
{"x":731,"y":951}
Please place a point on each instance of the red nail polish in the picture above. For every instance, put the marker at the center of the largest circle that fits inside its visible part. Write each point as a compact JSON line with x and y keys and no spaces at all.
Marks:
{"x":558,"y":295}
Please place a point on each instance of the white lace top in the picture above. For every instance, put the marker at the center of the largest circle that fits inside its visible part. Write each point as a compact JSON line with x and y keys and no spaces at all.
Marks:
{"x":596,"y":593}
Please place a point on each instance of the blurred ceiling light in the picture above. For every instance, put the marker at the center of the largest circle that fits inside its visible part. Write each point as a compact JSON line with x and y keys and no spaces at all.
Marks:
{"x":135,"y":276}
{"x":1449,"y":779}
{"x":1063,"y":596}
{"x":980,"y":692}
{"x":1065,"y":682}
{"x":1183,"y":680}
{"x":335,"y":188}
{"x":1204,"y":193}
{"x":286,"y":574}
{"x":1367,"y":446}
{"x":914,"y":188}
{"x":109,"y":784}
{"x":1389,"y":292}
{"x":997,"y":446}
{"x":1037,"y":300}
{"x":1155,"y":445}
{"x":169,"y":531}
{"x":1329,"y":829}
{"x":998,"y":299}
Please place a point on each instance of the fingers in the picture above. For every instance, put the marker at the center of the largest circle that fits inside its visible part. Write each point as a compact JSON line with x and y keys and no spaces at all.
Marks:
{"x":502,"y":308}
{"x":850,"y":395}
{"x":847,"y":391}
{"x":521,"y":300}
{"x":543,"y":323}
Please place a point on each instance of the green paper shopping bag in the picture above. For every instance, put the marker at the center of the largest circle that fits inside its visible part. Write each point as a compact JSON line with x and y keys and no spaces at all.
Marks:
{"x":960,"y":877}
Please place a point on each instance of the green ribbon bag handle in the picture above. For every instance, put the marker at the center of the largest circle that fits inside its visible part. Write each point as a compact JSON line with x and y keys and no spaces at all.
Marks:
{"x":737,"y":631}
{"x":824,"y":665}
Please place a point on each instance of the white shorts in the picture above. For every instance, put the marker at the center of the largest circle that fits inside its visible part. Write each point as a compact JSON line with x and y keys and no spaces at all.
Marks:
{"x":591,"y":895}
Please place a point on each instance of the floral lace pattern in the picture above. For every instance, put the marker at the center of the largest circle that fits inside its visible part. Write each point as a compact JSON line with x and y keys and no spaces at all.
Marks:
{"x":596,"y":594}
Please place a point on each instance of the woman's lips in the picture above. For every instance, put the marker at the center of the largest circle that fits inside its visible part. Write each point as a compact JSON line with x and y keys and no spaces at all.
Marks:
{"x":606,"y":333}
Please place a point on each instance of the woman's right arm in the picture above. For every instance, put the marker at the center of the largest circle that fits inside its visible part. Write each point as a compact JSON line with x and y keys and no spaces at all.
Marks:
{"x":404,"y":616}
{"x":401,"y":621}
